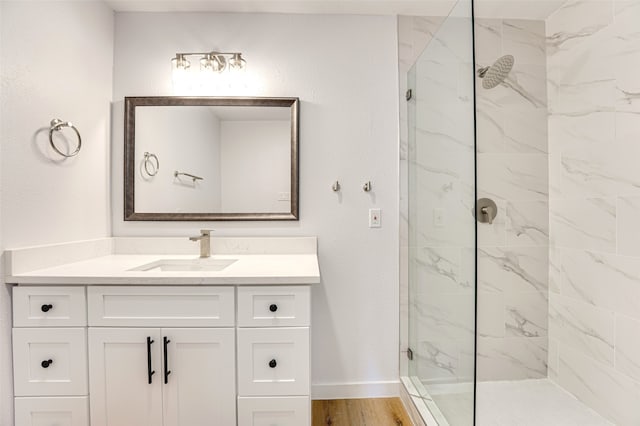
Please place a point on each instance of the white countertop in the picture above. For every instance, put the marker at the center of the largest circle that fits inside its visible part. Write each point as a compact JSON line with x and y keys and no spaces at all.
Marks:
{"x":250,"y":269}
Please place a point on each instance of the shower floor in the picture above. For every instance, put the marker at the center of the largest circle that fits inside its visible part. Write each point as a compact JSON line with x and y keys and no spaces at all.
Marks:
{"x":517,"y":403}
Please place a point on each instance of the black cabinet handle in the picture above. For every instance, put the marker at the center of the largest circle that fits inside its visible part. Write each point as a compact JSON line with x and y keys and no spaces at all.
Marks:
{"x":166,"y":342}
{"x":273,"y":363}
{"x":46,"y":308}
{"x":150,"y":372}
{"x":46,"y":363}
{"x":273,"y":307}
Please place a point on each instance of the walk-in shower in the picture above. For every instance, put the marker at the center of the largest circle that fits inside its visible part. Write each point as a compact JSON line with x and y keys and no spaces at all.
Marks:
{"x":528,"y":314}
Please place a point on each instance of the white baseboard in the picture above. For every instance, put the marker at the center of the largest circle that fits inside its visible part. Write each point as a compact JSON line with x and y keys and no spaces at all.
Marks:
{"x":355,"y":390}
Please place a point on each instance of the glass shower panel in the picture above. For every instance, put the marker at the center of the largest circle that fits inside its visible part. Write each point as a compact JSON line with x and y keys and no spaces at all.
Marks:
{"x":442,"y":229}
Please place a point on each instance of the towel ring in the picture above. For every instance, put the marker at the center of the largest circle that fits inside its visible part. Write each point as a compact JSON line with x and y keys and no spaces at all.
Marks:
{"x":149,"y":159}
{"x":56,"y":126}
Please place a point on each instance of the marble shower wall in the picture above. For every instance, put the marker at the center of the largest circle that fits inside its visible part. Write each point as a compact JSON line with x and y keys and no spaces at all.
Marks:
{"x":512,"y":161}
{"x":593,"y":59}
{"x":439,"y":178}
{"x":414,"y":33}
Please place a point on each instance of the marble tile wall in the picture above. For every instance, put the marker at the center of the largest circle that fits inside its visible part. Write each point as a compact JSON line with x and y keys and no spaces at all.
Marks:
{"x":559,"y":271}
{"x":512,"y":161}
{"x":440,"y":177}
{"x":593,"y":63}
{"x":414,"y":33}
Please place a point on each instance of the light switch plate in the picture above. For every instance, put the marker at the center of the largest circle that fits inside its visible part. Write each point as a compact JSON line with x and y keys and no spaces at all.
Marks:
{"x":375,"y":218}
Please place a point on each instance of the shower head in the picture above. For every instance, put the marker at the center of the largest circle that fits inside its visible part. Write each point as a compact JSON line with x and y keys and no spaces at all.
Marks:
{"x":495,"y":74}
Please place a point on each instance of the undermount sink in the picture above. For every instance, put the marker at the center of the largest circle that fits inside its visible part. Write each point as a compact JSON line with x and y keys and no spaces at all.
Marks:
{"x":177,"y":265}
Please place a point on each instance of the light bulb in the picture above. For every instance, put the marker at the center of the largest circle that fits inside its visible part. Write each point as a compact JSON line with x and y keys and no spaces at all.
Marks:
{"x":236,"y":63}
{"x":206,"y":63}
{"x":180,"y":62}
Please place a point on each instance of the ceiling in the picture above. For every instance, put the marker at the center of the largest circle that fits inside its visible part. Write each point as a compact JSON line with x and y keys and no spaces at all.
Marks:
{"x":360,"y":7}
{"x":522,"y":9}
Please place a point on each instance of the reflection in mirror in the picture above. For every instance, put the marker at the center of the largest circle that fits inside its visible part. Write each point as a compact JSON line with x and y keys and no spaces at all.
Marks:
{"x":216,"y":159}
{"x":222,"y":158}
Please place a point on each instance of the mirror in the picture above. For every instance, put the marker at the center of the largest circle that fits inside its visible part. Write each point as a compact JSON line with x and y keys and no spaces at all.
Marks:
{"x":210,"y":158}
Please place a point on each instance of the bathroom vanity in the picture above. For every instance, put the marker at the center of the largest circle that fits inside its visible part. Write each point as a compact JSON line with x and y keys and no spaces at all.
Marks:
{"x":107,"y":336}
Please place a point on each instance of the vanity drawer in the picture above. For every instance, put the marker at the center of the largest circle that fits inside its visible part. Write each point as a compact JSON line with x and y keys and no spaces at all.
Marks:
{"x":274,"y":306}
{"x":273,"y":361}
{"x":49,"y":306}
{"x":49,"y":361}
{"x":279,"y":411}
{"x":161,"y":306}
{"x":67,"y":411}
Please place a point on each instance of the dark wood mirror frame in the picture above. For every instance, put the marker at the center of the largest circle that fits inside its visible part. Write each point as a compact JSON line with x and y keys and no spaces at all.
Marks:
{"x":130,"y":104}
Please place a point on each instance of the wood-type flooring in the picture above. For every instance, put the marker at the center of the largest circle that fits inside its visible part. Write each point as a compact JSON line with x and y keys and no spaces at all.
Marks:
{"x":360,"y":412}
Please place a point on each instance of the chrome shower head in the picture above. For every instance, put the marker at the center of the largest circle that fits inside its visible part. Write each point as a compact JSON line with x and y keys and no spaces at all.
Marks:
{"x":495,"y":74}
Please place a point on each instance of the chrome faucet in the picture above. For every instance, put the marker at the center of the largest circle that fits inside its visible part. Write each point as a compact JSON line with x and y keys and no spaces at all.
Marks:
{"x":205,"y":242}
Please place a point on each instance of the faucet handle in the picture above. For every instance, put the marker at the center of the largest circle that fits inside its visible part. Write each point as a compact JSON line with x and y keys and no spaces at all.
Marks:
{"x":206,"y":232}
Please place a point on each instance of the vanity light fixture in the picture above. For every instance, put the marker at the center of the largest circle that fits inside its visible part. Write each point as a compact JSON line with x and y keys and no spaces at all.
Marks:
{"x":180,"y":62}
{"x":211,"y":61}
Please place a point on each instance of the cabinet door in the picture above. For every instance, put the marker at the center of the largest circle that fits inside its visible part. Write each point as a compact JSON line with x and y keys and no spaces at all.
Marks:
{"x":274,"y":306}
{"x":64,"y":411}
{"x":200,"y":389}
{"x":49,"y":361}
{"x":288,"y":411}
{"x":120,"y":392}
{"x":47,"y":306}
{"x":273,"y":361}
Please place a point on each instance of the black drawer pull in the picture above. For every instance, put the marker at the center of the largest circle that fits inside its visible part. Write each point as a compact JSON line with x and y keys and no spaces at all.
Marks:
{"x":273,"y":307}
{"x":46,"y":308}
{"x":150,"y":372}
{"x":46,"y":363}
{"x":273,"y":363}
{"x":166,"y":342}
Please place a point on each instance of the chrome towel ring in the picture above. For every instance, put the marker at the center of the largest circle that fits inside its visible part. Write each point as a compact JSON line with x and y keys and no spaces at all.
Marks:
{"x":56,"y":126}
{"x":149,"y":160}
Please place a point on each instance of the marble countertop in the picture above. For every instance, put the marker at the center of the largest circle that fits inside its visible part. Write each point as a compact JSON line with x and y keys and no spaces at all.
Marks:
{"x":104,"y":265}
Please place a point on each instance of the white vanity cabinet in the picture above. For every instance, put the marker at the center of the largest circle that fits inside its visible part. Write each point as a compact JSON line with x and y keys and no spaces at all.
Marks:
{"x":153,"y":376}
{"x":125,"y":355}
{"x":50,"y":372}
{"x":162,"y":356}
{"x":273,"y":356}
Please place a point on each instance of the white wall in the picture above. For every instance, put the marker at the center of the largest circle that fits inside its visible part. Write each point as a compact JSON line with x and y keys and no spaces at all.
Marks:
{"x":193,"y":147}
{"x":251,"y":183}
{"x":55,"y":62}
{"x":6,"y":377}
{"x":344,"y":70}
{"x":6,"y":374}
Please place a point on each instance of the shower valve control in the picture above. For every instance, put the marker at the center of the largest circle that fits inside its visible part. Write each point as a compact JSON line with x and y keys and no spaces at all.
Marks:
{"x":486,"y":210}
